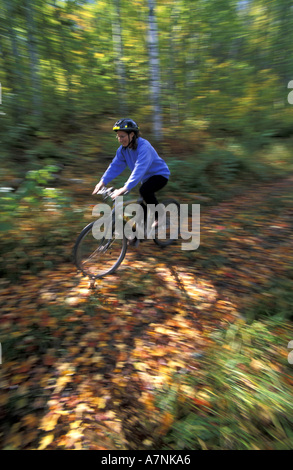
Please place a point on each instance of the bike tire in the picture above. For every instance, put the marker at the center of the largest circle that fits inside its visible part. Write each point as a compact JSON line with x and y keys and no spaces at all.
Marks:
{"x":98,"y":258}
{"x":167,"y":240}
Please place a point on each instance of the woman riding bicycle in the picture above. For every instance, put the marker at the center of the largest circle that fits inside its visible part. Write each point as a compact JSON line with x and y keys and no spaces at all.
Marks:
{"x":97,"y":257}
{"x":142,"y":159}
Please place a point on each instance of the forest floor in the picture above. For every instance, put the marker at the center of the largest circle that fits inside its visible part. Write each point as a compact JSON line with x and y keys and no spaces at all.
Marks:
{"x":82,"y":366}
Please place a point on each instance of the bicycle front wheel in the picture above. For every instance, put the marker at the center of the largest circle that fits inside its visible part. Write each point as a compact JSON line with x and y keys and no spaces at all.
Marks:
{"x":98,"y":258}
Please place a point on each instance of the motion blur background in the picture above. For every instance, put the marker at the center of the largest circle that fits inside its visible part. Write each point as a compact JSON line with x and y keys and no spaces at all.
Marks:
{"x":182,"y":69}
{"x":189,"y":349}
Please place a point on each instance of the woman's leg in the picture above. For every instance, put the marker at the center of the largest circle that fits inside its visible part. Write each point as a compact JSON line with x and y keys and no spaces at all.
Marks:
{"x":148,"y":190}
{"x":150,"y":187}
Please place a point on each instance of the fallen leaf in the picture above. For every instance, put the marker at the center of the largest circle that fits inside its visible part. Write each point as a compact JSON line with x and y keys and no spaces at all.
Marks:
{"x":46,"y":441}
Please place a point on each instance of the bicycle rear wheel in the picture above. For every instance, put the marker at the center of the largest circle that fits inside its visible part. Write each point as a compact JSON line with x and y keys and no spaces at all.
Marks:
{"x":98,"y":258}
{"x":171,"y":225}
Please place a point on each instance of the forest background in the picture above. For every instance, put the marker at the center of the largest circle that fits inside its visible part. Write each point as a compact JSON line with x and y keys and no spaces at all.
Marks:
{"x":183,"y":70}
{"x":209,"y":83}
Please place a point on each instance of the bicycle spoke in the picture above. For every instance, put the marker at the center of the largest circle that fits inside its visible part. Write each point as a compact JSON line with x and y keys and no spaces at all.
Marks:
{"x":97,"y":261}
{"x":97,"y":258}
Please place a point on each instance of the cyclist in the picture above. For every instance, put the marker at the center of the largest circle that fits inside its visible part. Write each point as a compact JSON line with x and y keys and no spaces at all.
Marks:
{"x":144,"y":162}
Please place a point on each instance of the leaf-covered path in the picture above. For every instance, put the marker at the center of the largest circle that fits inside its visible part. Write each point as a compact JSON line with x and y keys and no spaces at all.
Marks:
{"x":81,"y":366}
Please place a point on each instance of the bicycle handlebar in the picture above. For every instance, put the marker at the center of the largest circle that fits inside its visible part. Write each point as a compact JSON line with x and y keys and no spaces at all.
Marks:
{"x":107,"y":192}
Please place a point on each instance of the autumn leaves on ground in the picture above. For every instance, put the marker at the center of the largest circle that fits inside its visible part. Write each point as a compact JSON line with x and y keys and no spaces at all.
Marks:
{"x":120,"y":365}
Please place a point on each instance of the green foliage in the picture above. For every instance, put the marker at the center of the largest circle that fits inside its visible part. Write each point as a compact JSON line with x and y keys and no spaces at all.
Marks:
{"x":37,"y":225}
{"x":29,"y":192}
{"x":66,"y":65}
{"x":45,"y":151}
{"x":240,"y":401}
{"x":215,"y":170}
{"x":18,"y":136}
{"x":276,"y":302}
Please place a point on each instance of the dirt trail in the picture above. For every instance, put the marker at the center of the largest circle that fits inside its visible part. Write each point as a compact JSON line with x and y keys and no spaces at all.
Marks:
{"x":83,"y":365}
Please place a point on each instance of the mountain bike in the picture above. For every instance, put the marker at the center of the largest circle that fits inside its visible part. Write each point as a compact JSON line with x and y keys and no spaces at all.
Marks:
{"x":97,"y":258}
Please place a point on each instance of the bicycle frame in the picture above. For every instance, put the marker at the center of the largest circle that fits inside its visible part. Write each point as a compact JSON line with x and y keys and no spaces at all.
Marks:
{"x":118,"y":205}
{"x":98,"y":256}
{"x":106,"y":193}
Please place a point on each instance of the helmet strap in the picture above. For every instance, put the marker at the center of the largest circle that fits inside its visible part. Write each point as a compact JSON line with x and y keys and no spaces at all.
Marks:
{"x":130,"y":141}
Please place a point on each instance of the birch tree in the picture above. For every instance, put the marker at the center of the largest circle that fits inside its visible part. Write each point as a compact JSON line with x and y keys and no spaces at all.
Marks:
{"x":154,"y":66}
{"x":10,"y":54}
{"x":34,"y":59}
{"x":118,"y":57}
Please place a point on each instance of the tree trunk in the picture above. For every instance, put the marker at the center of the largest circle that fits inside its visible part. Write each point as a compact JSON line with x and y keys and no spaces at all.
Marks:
{"x":34,"y":60}
{"x":118,"y":55}
{"x":12,"y":62}
{"x":154,"y":65}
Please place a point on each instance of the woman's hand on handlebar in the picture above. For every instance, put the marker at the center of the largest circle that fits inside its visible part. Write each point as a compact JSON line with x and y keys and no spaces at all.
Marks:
{"x":98,"y":187}
{"x":119,"y":192}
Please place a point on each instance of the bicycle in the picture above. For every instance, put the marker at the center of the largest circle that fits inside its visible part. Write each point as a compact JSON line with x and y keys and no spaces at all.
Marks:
{"x":97,"y":258}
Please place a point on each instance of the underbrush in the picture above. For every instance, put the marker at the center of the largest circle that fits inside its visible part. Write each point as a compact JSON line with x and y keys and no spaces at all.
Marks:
{"x":277,"y":303}
{"x":219,"y":171}
{"x":38,"y":225}
{"x":241,"y":398}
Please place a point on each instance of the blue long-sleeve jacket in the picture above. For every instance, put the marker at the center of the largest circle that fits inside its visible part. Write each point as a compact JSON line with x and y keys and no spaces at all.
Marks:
{"x":143,"y":162}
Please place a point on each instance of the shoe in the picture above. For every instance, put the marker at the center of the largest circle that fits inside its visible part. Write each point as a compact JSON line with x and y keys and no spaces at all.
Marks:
{"x":135,"y":242}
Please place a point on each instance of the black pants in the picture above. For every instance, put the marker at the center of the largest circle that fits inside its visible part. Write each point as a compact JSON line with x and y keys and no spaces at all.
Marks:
{"x":149,"y":188}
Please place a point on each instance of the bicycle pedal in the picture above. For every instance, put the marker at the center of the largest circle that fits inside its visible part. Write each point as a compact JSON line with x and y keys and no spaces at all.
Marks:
{"x":92,"y":283}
